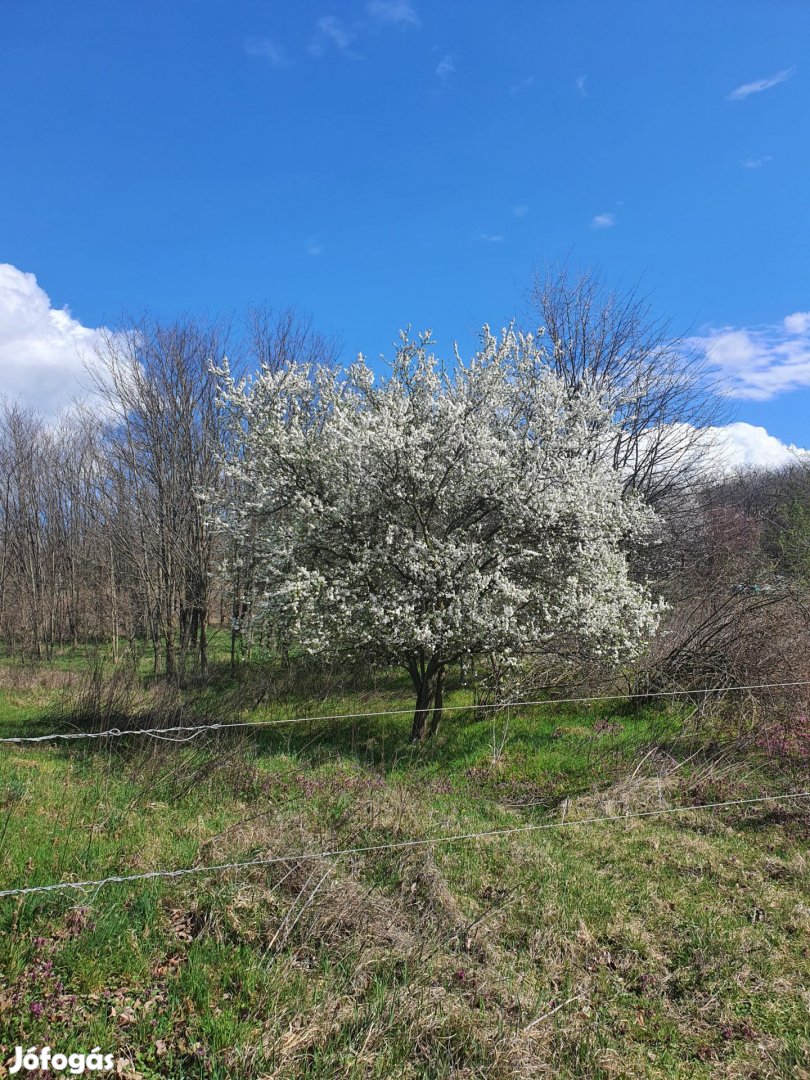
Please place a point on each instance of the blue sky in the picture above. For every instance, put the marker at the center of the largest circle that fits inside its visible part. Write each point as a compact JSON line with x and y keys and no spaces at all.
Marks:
{"x":391,"y":162}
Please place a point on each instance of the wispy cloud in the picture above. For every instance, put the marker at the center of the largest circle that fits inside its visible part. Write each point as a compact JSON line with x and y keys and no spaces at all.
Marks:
{"x":446,"y":67}
{"x":397,"y":12}
{"x":603,"y":221}
{"x":759,"y":85}
{"x":521,"y":210}
{"x":331,"y":32}
{"x":582,"y":89}
{"x":268,"y":50}
{"x":756,"y":163}
{"x":521,"y":84}
{"x":314,"y":247}
{"x":760,"y":363}
{"x":491,"y":238}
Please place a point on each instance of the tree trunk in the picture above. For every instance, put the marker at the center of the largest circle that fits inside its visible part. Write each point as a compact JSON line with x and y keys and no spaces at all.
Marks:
{"x":113,"y":607}
{"x":185,"y":621}
{"x":202,"y":624}
{"x":426,"y":680}
{"x":170,"y":653}
{"x":438,"y":702}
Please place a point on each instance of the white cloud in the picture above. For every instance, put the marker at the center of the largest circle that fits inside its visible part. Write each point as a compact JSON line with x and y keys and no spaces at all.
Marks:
{"x":603,"y":221}
{"x":331,"y":31}
{"x":397,"y":12}
{"x":761,"y":362}
{"x":269,"y":50}
{"x":447,"y":66}
{"x":314,"y":247}
{"x":491,"y":238}
{"x":740,"y":446}
{"x":581,"y":87}
{"x":759,"y":85}
{"x":42,"y":348}
{"x":798,"y":323}
{"x":716,"y":451}
{"x":756,"y":163}
{"x":521,"y":210}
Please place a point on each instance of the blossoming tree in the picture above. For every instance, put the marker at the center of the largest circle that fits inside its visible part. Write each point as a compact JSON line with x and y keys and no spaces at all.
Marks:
{"x":437,"y":513}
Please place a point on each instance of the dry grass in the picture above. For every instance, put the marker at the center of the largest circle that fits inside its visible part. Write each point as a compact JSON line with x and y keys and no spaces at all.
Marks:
{"x":658,"y":948}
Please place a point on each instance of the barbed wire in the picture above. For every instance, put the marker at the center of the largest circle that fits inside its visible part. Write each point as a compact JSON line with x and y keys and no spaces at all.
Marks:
{"x":196,"y":729}
{"x":399,"y":845}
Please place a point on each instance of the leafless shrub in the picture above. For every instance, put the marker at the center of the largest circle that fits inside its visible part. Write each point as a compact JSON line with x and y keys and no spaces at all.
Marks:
{"x":736,"y":618}
{"x":168,"y":762}
{"x":101,"y":698}
{"x":30,"y":677}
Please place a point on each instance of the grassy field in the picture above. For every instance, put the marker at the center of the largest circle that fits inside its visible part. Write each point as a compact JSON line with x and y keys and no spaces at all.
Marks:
{"x":672,"y":945}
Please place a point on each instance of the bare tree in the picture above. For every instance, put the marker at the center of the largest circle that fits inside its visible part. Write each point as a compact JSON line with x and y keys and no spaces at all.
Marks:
{"x":161,"y":441}
{"x":275,"y":339}
{"x":662,"y":392}
{"x":50,"y":592}
{"x":23,"y":550}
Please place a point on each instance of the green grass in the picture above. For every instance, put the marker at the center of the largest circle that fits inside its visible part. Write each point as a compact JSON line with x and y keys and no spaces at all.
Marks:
{"x":671,"y":946}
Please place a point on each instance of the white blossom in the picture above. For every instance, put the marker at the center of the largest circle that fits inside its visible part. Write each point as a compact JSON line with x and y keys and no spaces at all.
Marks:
{"x":439,"y":512}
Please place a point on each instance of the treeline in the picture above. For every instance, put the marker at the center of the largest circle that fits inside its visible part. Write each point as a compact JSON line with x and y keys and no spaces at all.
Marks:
{"x":106,"y":530}
{"x":108,"y":517}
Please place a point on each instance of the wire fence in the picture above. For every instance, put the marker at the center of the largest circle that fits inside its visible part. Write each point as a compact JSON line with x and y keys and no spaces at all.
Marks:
{"x":191,"y":731}
{"x":187,"y":733}
{"x":397,"y":845}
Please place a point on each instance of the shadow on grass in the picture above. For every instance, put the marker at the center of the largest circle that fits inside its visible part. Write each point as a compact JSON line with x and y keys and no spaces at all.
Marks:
{"x":296,"y":711}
